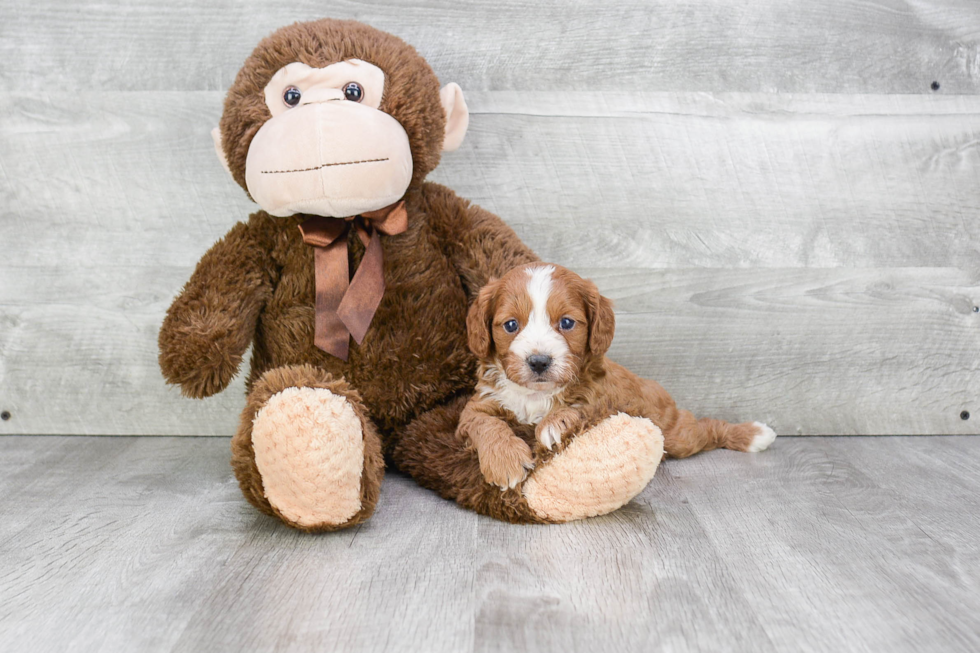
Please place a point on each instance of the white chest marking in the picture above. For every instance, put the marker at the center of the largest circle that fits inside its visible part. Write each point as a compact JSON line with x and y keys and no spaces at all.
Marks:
{"x":529,"y":406}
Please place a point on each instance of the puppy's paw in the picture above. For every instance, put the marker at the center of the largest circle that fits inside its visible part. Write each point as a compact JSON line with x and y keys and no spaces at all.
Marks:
{"x":762,"y":439}
{"x":505,"y":463}
{"x":548,"y":434}
{"x":556,"y":425}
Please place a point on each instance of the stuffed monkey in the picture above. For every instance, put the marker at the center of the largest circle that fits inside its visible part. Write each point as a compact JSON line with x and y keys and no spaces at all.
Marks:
{"x":352,"y":284}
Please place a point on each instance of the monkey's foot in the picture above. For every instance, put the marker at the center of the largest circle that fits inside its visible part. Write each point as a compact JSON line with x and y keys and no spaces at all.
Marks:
{"x":309,"y":449}
{"x":599,"y":471}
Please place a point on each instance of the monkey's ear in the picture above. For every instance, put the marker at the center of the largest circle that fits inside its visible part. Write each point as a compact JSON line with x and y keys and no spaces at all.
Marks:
{"x":216,"y":135}
{"x":457,"y":116}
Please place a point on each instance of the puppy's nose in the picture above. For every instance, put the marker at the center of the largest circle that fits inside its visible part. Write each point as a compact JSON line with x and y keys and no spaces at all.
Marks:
{"x":538,"y":362}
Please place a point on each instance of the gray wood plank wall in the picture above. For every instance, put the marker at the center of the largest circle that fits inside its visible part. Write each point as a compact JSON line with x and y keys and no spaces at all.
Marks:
{"x":783,"y":208}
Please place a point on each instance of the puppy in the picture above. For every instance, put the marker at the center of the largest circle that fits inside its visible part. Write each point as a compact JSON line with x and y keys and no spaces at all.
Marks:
{"x":541,"y":333}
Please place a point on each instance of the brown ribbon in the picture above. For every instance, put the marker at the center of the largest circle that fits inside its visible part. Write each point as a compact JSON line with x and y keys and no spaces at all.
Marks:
{"x":345,"y":306}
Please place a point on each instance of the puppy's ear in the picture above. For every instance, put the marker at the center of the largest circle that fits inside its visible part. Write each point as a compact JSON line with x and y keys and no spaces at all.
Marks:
{"x":602,"y":320}
{"x":478,"y":321}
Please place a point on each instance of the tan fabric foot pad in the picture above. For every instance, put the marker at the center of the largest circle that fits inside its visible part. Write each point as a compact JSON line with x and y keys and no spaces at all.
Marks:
{"x":309,"y":449}
{"x":599,"y":471}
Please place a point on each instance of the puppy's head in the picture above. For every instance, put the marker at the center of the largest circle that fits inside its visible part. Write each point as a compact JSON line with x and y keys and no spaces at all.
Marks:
{"x":541,"y":324}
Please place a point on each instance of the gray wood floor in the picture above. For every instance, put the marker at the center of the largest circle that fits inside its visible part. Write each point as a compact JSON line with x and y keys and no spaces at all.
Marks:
{"x":823,"y":544}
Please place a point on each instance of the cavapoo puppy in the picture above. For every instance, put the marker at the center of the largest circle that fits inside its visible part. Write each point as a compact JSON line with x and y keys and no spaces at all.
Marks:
{"x":541,"y":333}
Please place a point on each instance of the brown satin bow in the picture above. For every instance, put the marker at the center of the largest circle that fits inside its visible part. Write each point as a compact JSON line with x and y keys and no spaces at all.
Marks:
{"x":342,"y":312}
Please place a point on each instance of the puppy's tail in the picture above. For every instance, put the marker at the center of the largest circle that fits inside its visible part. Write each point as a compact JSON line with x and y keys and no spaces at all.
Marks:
{"x":689,"y":435}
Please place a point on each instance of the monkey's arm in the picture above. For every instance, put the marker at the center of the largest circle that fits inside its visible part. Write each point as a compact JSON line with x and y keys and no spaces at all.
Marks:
{"x":210,"y":324}
{"x":480,"y":246}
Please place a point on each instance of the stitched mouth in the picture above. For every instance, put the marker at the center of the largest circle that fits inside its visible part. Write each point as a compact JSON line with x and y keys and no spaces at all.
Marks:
{"x":324,"y":165}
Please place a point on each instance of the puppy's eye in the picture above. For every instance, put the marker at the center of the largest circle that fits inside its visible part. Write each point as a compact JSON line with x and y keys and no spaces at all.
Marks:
{"x":353,"y":92}
{"x":566,"y":323}
{"x":510,"y":326}
{"x":291,"y":96}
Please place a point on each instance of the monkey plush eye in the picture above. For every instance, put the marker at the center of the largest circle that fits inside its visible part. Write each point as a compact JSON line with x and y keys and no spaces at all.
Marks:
{"x":566,"y":323}
{"x":291,"y":96}
{"x":353,"y":92}
{"x":510,"y":326}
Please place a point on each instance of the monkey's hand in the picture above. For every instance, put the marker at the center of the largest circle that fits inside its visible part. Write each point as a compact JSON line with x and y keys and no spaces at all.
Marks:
{"x":557,"y":425}
{"x":211,"y":323}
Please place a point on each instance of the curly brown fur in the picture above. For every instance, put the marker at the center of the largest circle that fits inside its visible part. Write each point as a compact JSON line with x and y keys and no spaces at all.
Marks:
{"x":505,"y":459}
{"x":243,"y":455}
{"x":588,"y":388}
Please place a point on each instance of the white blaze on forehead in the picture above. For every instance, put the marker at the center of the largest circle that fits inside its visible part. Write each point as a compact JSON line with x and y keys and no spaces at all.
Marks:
{"x":539,"y":286}
{"x":539,"y":336}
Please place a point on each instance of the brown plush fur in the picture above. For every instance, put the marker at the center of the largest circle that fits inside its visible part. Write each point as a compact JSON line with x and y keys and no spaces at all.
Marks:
{"x":410,"y":376}
{"x":208,"y":328}
{"x":440,"y":459}
{"x":590,"y":389}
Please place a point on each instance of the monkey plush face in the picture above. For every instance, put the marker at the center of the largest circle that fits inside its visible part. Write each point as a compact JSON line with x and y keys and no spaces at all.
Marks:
{"x":328,"y":149}
{"x":339,"y":128}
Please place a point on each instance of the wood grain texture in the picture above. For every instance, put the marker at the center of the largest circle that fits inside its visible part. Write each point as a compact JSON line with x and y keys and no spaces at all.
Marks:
{"x":819,"y":544}
{"x":807,"y":260}
{"x":664,"y":180}
{"x":734,"y":180}
{"x":808,"y":351}
{"x":618,"y":46}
